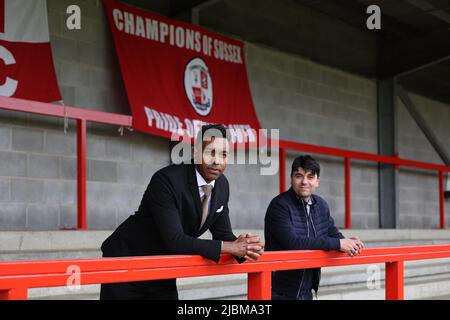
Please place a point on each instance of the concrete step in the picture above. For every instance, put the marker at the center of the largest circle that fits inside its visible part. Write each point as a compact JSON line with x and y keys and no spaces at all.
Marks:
{"x":444,"y":297}
{"x":49,"y":255}
{"x":198,"y":288}
{"x":361,"y":273}
{"x":41,"y":241}
{"x":423,"y":287}
{"x":426,"y":288}
{"x":436,"y":287}
{"x":86,"y":292}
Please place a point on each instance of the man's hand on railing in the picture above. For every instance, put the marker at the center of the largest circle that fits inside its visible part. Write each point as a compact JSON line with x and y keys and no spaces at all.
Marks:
{"x":255,"y":247}
{"x":248,"y":246}
{"x":359,"y":243}
{"x":352,"y":246}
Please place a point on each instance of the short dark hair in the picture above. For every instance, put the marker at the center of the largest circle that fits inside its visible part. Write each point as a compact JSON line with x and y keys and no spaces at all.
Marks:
{"x":307,"y":163}
{"x":211,"y":130}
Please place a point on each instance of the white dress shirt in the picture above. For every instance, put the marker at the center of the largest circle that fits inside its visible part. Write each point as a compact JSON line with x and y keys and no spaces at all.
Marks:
{"x":308,"y":205}
{"x":201,"y":182}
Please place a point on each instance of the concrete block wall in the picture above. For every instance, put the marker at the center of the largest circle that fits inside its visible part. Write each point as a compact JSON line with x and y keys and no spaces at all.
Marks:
{"x":38,"y":176}
{"x":38,"y":161}
{"x":308,"y":102}
{"x":85,"y":60}
{"x":293,"y":27}
{"x":419,"y":196}
{"x":315,"y":104}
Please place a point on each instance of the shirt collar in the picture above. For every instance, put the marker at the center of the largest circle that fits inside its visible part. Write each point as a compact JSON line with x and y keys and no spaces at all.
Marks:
{"x":310,"y":201}
{"x":201,"y":181}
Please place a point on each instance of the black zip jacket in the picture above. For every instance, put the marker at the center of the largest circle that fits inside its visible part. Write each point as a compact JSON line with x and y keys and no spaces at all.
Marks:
{"x":286,"y":228}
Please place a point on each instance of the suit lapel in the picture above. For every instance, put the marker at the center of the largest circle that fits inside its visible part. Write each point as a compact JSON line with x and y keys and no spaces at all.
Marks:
{"x":193,"y":187}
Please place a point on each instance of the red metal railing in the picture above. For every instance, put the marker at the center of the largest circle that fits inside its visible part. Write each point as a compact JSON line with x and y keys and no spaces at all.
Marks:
{"x":348,"y":156}
{"x":17,"y":277}
{"x":82,"y":116}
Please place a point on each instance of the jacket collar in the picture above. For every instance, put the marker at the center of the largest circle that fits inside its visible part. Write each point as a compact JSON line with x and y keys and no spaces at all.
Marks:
{"x":192,"y":180}
{"x":193,"y":187}
{"x":201,"y":181}
{"x":296,"y":199}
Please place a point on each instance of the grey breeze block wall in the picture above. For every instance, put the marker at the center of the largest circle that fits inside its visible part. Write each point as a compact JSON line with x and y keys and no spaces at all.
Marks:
{"x":308,"y":102}
{"x":418,"y":189}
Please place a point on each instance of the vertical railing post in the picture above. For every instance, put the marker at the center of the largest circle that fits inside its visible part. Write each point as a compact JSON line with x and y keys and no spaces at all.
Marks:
{"x":441,"y":201}
{"x":394,"y":280}
{"x":81,"y":174}
{"x":259,"y":286}
{"x":348,"y":199}
{"x":19,"y":293}
{"x":282,"y":159}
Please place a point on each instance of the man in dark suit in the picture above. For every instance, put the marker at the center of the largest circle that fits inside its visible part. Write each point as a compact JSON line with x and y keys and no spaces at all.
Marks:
{"x":180,"y":204}
{"x":298,"y":219}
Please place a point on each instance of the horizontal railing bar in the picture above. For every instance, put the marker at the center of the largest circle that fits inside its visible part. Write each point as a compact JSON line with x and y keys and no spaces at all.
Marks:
{"x":53,"y":110}
{"x":132,"y":274}
{"x":99,"y":116}
{"x":111,"y":264}
{"x":91,"y":272}
{"x":54,"y":266}
{"x":21,"y":105}
{"x":361,"y":155}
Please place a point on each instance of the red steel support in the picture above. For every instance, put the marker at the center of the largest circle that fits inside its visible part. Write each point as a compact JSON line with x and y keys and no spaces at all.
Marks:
{"x":14,"y":294}
{"x":441,"y":201}
{"x":394,"y":280}
{"x":290,"y":145}
{"x":282,"y":159}
{"x":348,"y":199}
{"x":81,"y":174}
{"x":259,"y":286}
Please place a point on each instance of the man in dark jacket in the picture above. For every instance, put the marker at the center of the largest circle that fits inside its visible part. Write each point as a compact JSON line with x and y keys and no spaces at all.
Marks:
{"x":300,"y":220}
{"x":180,"y":204}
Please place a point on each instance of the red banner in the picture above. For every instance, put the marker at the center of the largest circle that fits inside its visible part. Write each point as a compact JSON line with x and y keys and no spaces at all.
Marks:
{"x":27,"y":69}
{"x":179,"y":76}
{"x":2,"y":16}
{"x":33,"y":74}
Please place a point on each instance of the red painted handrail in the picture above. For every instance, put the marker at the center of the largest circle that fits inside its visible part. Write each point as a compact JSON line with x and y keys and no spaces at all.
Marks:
{"x":348,"y":155}
{"x":17,"y":277}
{"x":361,"y":156}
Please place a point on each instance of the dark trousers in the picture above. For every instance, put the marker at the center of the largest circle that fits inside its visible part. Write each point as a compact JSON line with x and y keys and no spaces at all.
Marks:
{"x":304,"y":295}
{"x":139,"y":290}
{"x":143,"y":290}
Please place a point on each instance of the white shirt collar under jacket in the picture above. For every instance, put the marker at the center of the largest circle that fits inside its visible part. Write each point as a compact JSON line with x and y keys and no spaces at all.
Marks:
{"x":201,"y":182}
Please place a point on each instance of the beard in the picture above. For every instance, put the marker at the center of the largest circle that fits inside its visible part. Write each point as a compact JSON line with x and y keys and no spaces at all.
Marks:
{"x":304,"y":193}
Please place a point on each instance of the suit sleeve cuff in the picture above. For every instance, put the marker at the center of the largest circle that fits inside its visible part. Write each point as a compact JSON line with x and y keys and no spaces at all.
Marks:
{"x":335,"y":244}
